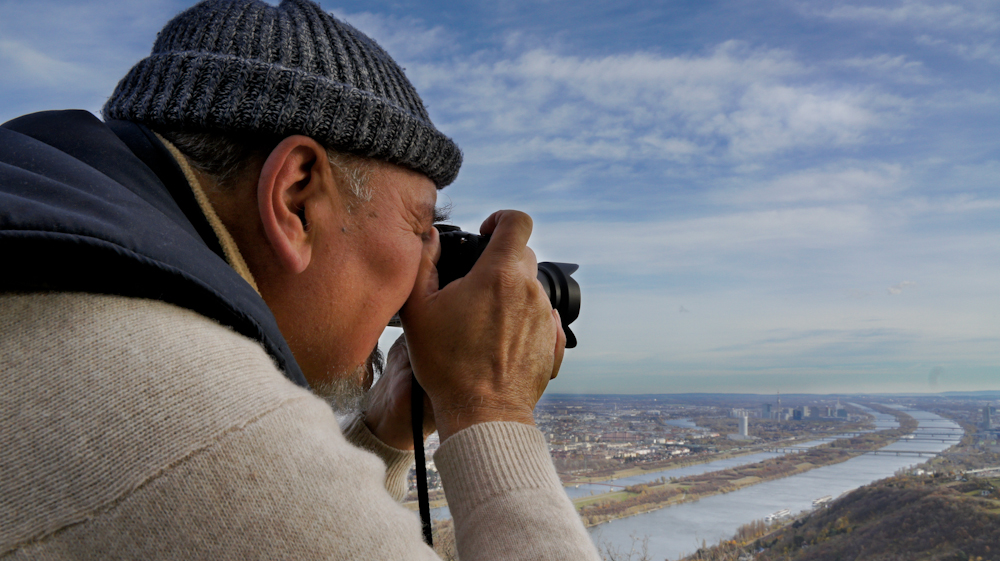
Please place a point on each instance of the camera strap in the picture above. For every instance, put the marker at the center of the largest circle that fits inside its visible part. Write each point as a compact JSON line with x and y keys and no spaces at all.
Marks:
{"x":417,"y":420}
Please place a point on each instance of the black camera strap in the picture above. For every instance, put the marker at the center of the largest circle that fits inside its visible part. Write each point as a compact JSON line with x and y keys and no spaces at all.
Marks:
{"x":417,"y":420}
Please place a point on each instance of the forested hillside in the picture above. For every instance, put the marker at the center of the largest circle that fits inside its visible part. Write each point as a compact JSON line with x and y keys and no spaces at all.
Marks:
{"x":904,"y":518}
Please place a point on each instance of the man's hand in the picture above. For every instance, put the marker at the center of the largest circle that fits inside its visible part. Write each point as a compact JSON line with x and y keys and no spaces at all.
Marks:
{"x":388,"y":413}
{"x":485,"y":346}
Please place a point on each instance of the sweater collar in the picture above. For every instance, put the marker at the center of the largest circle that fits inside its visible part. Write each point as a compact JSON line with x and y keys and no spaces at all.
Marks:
{"x":229,"y":247}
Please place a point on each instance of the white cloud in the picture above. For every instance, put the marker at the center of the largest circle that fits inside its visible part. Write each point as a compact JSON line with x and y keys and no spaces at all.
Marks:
{"x":773,"y":118}
{"x":400,"y":37}
{"x":985,"y":50}
{"x":958,"y":204}
{"x":71,"y":53}
{"x":972,"y":15}
{"x":964,"y":29}
{"x":898,"y":68}
{"x":835,"y":183}
{"x":733,"y":102}
{"x":712,"y":241}
{"x":22,"y":63}
{"x":898,"y":288}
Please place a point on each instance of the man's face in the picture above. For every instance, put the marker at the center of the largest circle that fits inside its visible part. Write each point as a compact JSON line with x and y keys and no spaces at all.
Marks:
{"x":364,"y":263}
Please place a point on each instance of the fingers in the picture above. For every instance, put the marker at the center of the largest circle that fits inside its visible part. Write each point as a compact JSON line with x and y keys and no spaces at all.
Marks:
{"x":397,"y":359}
{"x":509,"y":231}
{"x":388,"y":411}
{"x":427,"y":275}
{"x":560,"y":344}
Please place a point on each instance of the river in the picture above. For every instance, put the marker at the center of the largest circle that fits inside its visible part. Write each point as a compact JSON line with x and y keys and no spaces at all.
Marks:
{"x":585,"y":489}
{"x":582,"y":490}
{"x":679,"y":530}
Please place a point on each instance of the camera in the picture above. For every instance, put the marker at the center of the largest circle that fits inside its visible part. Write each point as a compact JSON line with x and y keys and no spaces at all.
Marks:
{"x":460,"y":251}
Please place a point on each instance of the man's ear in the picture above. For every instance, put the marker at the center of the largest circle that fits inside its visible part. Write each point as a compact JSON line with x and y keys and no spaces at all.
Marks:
{"x":292,"y":176}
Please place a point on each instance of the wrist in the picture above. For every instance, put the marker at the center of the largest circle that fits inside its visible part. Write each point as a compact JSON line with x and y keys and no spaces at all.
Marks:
{"x":390,"y":435}
{"x":454,"y":419}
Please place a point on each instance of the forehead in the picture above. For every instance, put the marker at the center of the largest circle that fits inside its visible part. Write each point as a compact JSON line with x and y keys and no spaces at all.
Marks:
{"x":410,"y":189}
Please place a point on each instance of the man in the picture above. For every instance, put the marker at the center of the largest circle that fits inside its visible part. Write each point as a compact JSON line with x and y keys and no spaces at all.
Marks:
{"x":257,"y":206}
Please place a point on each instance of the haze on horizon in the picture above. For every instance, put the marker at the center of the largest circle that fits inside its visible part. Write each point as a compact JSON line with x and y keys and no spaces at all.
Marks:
{"x":786,"y":196}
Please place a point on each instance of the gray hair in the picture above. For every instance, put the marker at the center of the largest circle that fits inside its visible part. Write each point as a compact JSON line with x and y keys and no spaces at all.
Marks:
{"x":227,"y":157}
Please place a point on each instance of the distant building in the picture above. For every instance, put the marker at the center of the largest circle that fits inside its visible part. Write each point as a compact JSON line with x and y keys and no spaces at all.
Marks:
{"x":771,"y":410}
{"x":618,"y":436}
{"x":744,"y":432}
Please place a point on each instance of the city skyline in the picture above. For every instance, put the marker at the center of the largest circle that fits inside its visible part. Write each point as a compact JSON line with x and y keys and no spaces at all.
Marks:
{"x":790,"y":196}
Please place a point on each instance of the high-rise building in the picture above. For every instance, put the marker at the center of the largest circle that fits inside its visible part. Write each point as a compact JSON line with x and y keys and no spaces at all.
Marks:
{"x":744,"y":426}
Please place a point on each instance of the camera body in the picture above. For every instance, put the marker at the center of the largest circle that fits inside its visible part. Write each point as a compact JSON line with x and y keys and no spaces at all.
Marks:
{"x":460,"y":251}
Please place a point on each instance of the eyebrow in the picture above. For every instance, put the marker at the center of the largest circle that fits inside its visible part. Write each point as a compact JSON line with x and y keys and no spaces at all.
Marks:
{"x":442,"y":213}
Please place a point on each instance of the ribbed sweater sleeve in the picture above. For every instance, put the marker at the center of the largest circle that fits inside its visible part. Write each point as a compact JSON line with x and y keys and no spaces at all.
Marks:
{"x":397,"y":462}
{"x":499,"y":476}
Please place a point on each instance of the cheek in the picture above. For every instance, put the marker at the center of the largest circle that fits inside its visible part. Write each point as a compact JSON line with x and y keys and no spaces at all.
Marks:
{"x":396,"y":270}
{"x":406,"y":265}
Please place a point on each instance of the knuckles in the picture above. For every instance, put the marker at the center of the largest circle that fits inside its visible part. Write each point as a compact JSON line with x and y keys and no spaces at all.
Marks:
{"x":520,"y":220}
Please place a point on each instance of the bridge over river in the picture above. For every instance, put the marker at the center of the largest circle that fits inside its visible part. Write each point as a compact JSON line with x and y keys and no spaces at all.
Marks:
{"x":882,"y":451}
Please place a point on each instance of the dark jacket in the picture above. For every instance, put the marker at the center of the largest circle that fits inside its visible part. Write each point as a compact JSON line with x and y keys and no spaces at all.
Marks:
{"x":87,"y":206}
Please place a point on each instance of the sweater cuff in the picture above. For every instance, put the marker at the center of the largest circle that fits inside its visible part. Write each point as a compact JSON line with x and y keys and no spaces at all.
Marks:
{"x":491,"y":459}
{"x":397,"y":462}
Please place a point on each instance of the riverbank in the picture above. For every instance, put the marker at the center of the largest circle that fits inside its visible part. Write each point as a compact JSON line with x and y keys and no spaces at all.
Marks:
{"x":640,"y":499}
{"x":904,"y":516}
{"x":795,"y":439}
{"x":571,"y":480}
{"x":437,"y":498}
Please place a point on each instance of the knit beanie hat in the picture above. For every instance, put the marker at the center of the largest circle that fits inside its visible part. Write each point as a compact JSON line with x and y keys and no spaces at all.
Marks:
{"x":244,"y":65}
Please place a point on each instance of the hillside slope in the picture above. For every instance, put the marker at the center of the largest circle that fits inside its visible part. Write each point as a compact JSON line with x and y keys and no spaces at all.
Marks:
{"x":900,"y":518}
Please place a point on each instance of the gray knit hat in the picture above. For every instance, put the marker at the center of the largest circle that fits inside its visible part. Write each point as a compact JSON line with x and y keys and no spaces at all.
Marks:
{"x":244,"y":65}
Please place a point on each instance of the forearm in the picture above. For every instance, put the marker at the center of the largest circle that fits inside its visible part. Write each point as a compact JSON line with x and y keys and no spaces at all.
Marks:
{"x":506,"y":498}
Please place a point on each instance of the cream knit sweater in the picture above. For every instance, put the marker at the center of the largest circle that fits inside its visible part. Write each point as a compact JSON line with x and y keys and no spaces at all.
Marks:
{"x":133,"y":429}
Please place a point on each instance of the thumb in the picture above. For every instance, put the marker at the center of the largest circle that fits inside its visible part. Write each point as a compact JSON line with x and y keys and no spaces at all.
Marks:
{"x":426,"y":282}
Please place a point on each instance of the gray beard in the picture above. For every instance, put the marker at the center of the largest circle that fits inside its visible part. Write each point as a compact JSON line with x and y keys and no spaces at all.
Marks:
{"x":348,"y":393}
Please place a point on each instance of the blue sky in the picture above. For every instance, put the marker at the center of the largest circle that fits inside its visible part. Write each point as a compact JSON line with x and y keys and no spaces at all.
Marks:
{"x":762,"y":196}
